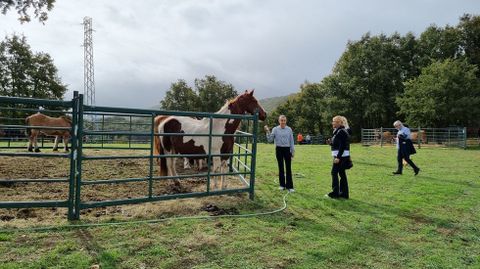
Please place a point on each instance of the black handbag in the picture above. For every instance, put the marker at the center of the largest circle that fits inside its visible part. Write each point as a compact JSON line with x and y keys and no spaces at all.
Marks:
{"x":348,"y":163}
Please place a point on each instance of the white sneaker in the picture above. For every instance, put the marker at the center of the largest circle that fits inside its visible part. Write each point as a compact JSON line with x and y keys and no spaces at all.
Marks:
{"x":291,"y":190}
{"x":281,"y":188}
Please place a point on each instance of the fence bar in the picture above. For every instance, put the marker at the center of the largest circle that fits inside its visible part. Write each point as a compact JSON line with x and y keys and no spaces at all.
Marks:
{"x":164,"y":112}
{"x":36,"y":154}
{"x":33,"y":101}
{"x":243,"y":164}
{"x":35,"y":127}
{"x":29,"y":180}
{"x":27,"y":204}
{"x":242,"y":178}
{"x":159,"y":198}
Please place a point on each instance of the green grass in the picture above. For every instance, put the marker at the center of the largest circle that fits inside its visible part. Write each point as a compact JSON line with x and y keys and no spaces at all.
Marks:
{"x":428,"y":221}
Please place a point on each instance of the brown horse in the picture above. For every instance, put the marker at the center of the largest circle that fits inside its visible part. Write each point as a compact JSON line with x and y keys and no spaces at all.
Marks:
{"x":39,"y":119}
{"x":423,"y":137}
{"x":386,"y":136}
{"x":244,"y":103}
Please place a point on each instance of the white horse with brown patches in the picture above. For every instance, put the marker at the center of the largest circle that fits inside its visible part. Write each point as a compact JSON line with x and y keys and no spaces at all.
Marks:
{"x":244,"y":103}
{"x":39,"y":119}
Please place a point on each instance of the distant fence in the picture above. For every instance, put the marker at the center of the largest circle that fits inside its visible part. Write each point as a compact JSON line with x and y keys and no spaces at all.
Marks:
{"x":447,"y":137}
{"x":314,"y":139}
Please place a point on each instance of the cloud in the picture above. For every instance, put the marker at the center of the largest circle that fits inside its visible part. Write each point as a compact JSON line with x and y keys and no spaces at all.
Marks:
{"x":141,"y":47}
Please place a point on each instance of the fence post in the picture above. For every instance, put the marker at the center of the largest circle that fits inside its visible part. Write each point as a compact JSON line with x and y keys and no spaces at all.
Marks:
{"x":130,"y":136}
{"x":464,"y":137}
{"x":209,"y":160}
{"x":419,"y":139}
{"x":254,"y":156}
{"x":152,"y":145}
{"x":381,"y":137}
{"x":103,"y":128}
{"x":78,"y":173}
{"x":73,"y":157}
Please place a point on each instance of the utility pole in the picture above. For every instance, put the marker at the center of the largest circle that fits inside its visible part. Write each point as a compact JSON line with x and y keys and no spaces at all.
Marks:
{"x":88,"y":75}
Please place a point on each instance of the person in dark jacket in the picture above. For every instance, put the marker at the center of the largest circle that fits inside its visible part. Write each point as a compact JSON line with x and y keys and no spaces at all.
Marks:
{"x":405,"y":148}
{"x":340,"y":146}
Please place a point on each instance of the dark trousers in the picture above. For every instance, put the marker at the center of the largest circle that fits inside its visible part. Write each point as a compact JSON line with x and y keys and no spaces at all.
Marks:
{"x":283,"y":155}
{"x":401,"y":156}
{"x":339,"y":190}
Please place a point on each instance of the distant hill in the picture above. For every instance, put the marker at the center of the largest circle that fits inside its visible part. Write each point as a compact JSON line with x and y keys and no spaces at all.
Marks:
{"x":270,"y":104}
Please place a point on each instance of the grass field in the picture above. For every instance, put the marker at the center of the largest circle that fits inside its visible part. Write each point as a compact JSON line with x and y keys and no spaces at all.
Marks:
{"x":428,"y":221}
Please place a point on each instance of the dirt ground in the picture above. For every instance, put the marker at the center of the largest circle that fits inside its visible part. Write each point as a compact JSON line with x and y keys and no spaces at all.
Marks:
{"x":43,"y":168}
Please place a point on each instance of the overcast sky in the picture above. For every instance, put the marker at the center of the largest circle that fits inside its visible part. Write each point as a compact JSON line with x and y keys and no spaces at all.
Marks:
{"x":141,"y":47}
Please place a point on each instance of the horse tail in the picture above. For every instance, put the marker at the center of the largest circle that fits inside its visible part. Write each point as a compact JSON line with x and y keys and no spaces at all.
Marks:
{"x":28,"y":131}
{"x":158,"y":148}
{"x":163,"y":162}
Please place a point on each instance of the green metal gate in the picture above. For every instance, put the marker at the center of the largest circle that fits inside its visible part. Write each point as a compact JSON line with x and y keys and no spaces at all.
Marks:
{"x":242,"y":159}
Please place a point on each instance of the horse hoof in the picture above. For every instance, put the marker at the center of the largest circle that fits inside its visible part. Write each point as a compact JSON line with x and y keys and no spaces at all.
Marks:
{"x":31,"y":150}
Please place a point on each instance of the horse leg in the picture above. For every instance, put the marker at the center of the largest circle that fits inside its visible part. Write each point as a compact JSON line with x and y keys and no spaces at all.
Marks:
{"x":65,"y":142}
{"x":216,"y":165}
{"x":186,"y":163}
{"x":35,"y":144}
{"x":30,"y":143}
{"x":55,"y":146}
{"x":223,"y":182}
{"x":171,"y":171}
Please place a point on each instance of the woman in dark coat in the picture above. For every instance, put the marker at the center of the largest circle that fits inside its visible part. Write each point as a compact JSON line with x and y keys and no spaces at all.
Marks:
{"x":340,"y":146}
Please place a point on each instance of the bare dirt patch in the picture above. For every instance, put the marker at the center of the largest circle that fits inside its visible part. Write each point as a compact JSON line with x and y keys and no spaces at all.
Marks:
{"x":99,"y":170}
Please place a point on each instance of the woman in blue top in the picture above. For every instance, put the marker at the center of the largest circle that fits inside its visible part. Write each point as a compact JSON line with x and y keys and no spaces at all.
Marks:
{"x":284,"y":151}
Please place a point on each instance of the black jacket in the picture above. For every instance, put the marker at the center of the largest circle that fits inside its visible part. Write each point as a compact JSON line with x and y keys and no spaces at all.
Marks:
{"x":341,"y":140}
{"x":406,"y":146}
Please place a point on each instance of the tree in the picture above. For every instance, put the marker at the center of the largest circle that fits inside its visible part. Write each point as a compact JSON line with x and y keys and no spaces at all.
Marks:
{"x":437,"y":44}
{"x":446,"y":93}
{"x":27,"y":74}
{"x":367,"y":78}
{"x":40,"y":8}
{"x":469,"y":28}
{"x":213,"y":93}
{"x":181,"y":97}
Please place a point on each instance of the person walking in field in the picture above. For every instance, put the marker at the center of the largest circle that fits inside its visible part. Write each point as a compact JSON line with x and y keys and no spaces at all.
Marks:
{"x":282,"y":135}
{"x":340,"y":147}
{"x":405,"y":148}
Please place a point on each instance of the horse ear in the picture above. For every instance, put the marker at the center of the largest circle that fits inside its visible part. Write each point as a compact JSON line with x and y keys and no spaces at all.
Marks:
{"x":251,"y":92}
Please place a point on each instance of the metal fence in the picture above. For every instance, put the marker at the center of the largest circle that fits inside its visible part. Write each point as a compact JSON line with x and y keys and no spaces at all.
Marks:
{"x":120,"y":129}
{"x":446,"y":137}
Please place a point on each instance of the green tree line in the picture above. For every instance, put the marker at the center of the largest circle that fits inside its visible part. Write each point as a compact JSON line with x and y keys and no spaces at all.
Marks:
{"x":432,"y":80}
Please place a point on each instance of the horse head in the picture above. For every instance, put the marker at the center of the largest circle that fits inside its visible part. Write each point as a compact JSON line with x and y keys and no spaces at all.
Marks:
{"x":247,"y":103}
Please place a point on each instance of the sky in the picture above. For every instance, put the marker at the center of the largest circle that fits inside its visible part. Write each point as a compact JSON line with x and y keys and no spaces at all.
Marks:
{"x":273,"y":46}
